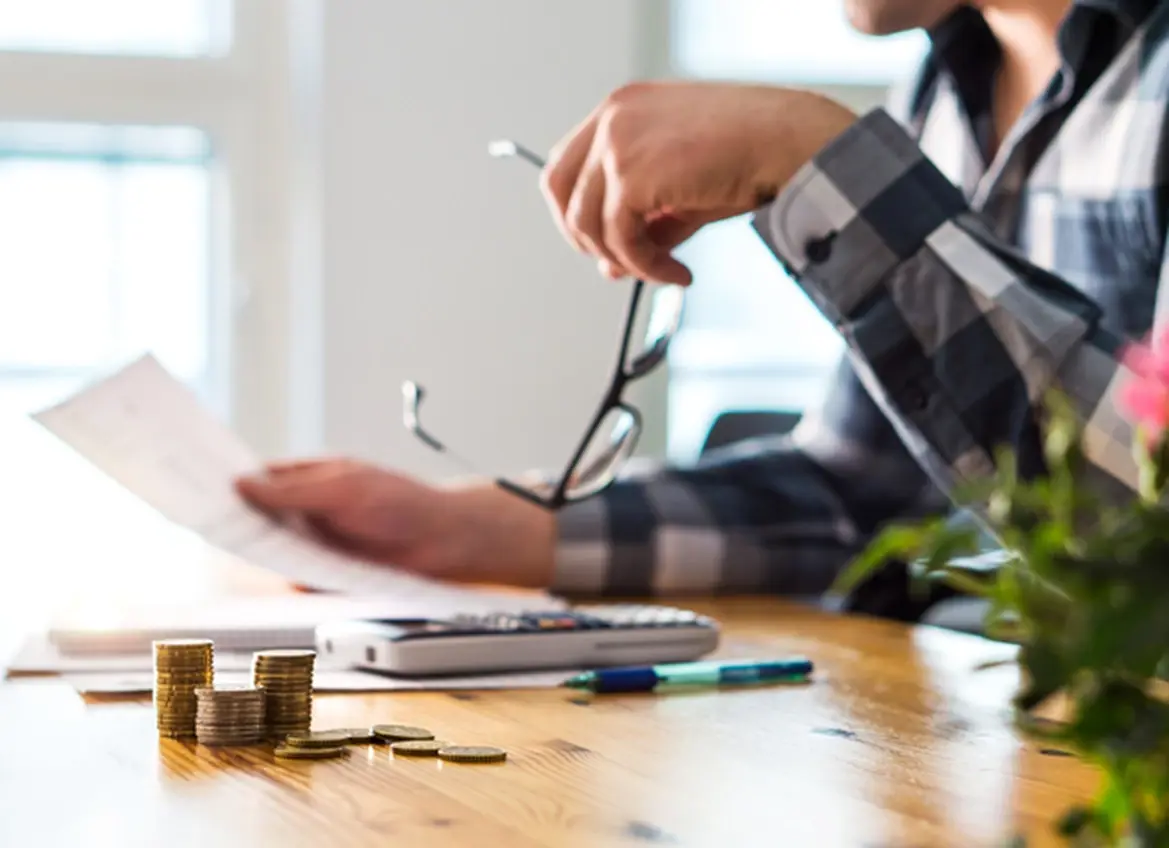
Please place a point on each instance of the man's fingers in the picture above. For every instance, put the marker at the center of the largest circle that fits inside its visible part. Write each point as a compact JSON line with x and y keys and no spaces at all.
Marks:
{"x":296,"y":466}
{"x":558,"y":180}
{"x":318,"y":488}
{"x":610,"y":271}
{"x":584,"y":213}
{"x":669,"y":232}
{"x":626,"y":237}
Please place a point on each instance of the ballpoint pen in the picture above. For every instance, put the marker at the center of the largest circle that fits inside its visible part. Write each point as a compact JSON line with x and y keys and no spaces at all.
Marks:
{"x":647,"y":678}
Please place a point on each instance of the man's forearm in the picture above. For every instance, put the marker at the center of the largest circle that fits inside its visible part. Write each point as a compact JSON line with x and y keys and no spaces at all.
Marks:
{"x":498,"y":535}
{"x":954,"y":334}
{"x":764,"y":518}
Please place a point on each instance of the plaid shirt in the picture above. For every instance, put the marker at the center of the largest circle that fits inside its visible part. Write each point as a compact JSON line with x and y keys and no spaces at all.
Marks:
{"x":964,"y":289}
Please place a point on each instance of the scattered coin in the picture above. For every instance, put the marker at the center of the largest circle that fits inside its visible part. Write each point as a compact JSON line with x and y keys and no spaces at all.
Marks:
{"x":401,"y":732}
{"x":229,"y":715}
{"x":286,"y":676}
{"x":417,"y":747}
{"x":285,"y":654}
{"x":292,"y":752}
{"x":360,"y":735}
{"x":317,"y":739}
{"x":472,"y":754}
{"x":180,"y":667}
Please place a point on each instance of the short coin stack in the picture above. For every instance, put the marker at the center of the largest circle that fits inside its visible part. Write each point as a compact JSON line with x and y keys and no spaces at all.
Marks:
{"x":230,"y":715}
{"x":472,"y":754}
{"x":180,"y":667}
{"x":322,"y":745}
{"x":286,"y":676}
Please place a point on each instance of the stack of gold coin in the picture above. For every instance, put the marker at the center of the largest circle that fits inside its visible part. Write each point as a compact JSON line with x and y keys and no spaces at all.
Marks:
{"x":286,"y":676}
{"x":230,"y":715}
{"x":180,"y":667}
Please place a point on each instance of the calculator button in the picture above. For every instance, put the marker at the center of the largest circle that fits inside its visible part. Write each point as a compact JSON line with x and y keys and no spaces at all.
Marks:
{"x":542,"y":621}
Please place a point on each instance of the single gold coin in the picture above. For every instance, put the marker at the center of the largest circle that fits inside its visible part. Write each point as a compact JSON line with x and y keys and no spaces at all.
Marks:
{"x":417,"y":747}
{"x":317,"y":739}
{"x":286,"y":654}
{"x":472,"y":754}
{"x":183,"y":643}
{"x":360,"y":735}
{"x":292,"y":752}
{"x":401,"y":732}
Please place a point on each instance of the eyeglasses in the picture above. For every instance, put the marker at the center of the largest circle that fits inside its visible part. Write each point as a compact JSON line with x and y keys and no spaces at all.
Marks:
{"x":615,"y":428}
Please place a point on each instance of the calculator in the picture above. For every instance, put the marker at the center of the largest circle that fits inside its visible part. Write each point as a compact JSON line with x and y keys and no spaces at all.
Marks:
{"x":581,"y":637}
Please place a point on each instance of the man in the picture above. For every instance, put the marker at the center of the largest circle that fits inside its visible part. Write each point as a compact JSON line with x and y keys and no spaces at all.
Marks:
{"x":1045,"y":126}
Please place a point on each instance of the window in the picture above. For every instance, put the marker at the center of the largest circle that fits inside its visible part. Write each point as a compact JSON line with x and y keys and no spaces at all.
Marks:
{"x":750,"y":337}
{"x":107,"y":245}
{"x":786,"y":41}
{"x":139,"y":27}
{"x":144,"y":151}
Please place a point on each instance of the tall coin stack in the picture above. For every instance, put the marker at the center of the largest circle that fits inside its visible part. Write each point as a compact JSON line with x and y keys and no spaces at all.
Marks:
{"x":286,"y":676}
{"x":230,"y":715}
{"x":180,"y":667}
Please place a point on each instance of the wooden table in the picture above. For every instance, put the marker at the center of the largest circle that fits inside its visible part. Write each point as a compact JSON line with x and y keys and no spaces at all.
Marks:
{"x":899,"y":741}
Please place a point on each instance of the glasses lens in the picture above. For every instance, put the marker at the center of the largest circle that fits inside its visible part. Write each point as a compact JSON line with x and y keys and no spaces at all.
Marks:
{"x":607,"y":452}
{"x":655,"y":324}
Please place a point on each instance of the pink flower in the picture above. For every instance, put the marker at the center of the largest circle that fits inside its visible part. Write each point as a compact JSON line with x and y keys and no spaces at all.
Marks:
{"x":1147,"y":395}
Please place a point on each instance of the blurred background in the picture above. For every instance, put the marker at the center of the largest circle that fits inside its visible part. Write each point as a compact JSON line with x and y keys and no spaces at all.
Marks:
{"x":291,"y":203}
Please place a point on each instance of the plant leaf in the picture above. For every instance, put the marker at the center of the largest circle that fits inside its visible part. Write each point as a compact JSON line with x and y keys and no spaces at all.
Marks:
{"x":897,"y":541}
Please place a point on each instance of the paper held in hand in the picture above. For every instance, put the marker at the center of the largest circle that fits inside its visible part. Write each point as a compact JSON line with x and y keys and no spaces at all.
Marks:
{"x":146,"y":430}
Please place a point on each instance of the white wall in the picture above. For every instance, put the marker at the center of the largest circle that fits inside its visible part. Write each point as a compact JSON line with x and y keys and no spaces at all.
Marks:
{"x":441,"y":264}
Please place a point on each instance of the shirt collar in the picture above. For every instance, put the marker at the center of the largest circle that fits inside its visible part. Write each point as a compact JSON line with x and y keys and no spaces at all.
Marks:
{"x":1130,"y":13}
{"x":962,"y":43}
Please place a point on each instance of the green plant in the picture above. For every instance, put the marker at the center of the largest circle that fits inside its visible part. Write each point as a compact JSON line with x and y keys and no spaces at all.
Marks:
{"x":1084,"y":592}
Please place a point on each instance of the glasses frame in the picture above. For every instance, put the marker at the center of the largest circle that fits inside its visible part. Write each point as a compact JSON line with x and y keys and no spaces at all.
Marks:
{"x":613,"y":399}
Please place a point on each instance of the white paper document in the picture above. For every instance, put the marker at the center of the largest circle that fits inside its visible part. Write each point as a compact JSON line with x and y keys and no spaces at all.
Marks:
{"x":126,"y":668}
{"x":132,"y":673}
{"x":146,"y":430}
{"x":331,"y":680}
{"x":249,"y":623}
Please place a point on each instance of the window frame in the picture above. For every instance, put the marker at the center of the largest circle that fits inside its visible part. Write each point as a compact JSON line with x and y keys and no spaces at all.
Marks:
{"x":255,"y":102}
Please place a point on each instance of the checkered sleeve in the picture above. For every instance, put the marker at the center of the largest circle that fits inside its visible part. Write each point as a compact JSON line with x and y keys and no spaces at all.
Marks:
{"x":956,"y":336}
{"x":780,"y":514}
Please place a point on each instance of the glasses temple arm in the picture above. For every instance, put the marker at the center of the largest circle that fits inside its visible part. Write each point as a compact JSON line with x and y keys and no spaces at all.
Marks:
{"x":413,"y":395}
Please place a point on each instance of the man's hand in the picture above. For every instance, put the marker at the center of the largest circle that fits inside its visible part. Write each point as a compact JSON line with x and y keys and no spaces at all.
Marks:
{"x":657,"y":161}
{"x":473,"y":534}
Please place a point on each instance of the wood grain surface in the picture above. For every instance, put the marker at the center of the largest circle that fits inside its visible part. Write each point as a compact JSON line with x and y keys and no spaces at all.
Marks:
{"x":898,"y":741}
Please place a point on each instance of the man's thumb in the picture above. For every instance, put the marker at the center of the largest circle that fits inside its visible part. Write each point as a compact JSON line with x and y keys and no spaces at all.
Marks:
{"x":279,"y":494}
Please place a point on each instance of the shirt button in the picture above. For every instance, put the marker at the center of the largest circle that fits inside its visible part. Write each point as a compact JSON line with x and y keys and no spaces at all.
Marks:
{"x":817,"y":250}
{"x":915,"y":398}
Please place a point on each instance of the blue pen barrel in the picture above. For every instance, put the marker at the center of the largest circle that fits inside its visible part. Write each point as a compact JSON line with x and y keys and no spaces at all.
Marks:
{"x":626,"y":680}
{"x":650,"y":678}
{"x":763,"y":672}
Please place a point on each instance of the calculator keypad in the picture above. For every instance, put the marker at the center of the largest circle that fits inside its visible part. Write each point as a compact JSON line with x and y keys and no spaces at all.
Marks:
{"x":583,"y":618}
